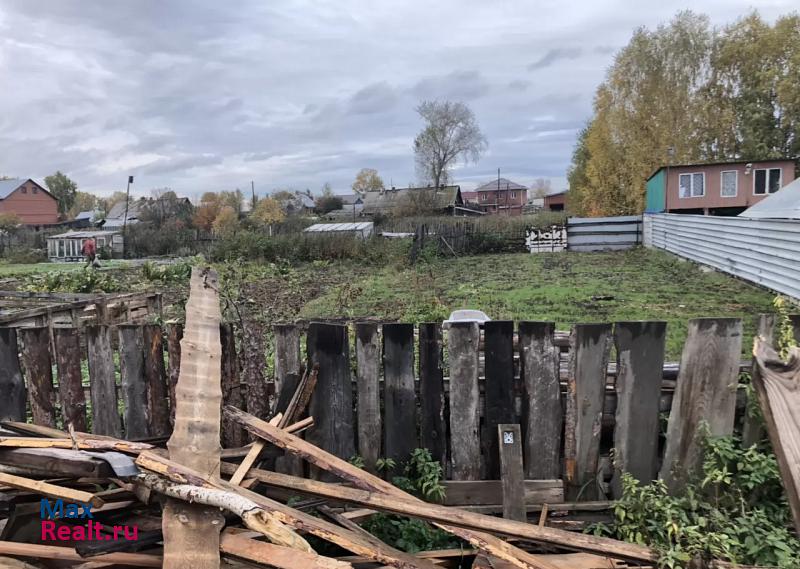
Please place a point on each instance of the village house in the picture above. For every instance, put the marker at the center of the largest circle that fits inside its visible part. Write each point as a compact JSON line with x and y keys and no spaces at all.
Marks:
{"x":29,"y":201}
{"x":445,"y":200}
{"x":555,"y":202}
{"x":499,"y":196}
{"x":719,"y":188}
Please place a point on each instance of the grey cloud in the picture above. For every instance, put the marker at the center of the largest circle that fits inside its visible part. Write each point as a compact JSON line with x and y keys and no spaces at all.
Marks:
{"x":460,"y":85}
{"x":181,"y":163}
{"x":554,"y":55}
{"x":375,"y":98}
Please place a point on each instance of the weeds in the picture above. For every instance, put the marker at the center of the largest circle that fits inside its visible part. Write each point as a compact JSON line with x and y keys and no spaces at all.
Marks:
{"x":83,"y":281}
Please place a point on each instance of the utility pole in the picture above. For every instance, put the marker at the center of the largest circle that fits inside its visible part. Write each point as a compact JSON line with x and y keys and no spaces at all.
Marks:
{"x":125,"y":219}
{"x":253,"y":190}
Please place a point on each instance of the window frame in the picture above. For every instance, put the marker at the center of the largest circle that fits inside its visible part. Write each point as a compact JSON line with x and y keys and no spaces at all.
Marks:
{"x":691,"y":187}
{"x":513,"y":195}
{"x":766,"y":181}
{"x":735,"y":184}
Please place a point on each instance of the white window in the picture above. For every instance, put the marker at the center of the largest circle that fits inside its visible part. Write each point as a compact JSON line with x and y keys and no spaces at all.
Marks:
{"x":728,"y":184}
{"x":766,"y":180}
{"x":513,"y":195}
{"x":483,"y":197}
{"x":692,"y":185}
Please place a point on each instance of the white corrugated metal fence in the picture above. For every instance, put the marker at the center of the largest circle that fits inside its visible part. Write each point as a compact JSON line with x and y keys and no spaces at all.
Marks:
{"x":604,"y":233}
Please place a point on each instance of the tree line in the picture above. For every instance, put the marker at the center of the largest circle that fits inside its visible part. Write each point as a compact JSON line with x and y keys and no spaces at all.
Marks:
{"x":688,"y":93}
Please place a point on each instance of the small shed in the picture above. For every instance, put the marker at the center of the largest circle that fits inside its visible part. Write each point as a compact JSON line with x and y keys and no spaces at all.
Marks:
{"x":67,"y":247}
{"x":361,"y":229}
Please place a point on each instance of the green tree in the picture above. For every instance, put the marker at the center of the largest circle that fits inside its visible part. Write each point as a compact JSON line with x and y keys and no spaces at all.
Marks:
{"x":328,"y":201}
{"x":63,"y":189}
{"x":226,"y":222}
{"x":367,"y":180}
{"x":84,"y":201}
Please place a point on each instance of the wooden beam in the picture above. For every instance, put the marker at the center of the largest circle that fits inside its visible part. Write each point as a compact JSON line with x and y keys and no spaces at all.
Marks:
{"x":81,"y":443}
{"x":50,"y":490}
{"x":498,"y":391}
{"x":509,"y":446}
{"x":56,"y":462}
{"x":276,"y":555}
{"x":399,"y":401}
{"x":368,"y":361}
{"x":68,"y":554}
{"x":485,"y":492}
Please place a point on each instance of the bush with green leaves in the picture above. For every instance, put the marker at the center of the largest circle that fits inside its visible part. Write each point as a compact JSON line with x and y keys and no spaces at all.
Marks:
{"x":167,"y":272}
{"x":736,"y":511}
{"x":85,"y":280}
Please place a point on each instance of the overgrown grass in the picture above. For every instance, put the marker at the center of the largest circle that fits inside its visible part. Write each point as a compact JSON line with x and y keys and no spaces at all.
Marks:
{"x":564,"y":287}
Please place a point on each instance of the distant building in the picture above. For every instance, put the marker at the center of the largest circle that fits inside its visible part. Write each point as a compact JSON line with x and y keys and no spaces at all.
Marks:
{"x":555,"y":202}
{"x":445,"y":200}
{"x":29,"y":201}
{"x":499,"y":196}
{"x":362,"y":229}
{"x":719,"y":188}
{"x":66,"y":247}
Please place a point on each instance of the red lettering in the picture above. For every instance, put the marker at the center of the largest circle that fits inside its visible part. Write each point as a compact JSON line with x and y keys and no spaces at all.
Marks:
{"x":79,"y":533}
{"x":63,"y":533}
{"x":48,"y":529}
{"x":116,"y":530}
{"x":134,"y":533}
{"x":97,"y":528}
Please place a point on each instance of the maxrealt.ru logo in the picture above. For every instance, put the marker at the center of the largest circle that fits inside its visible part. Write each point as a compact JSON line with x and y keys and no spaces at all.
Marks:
{"x":92,"y":530}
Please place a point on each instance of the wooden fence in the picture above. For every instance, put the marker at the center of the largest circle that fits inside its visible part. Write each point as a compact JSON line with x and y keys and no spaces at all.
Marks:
{"x":384,"y":390}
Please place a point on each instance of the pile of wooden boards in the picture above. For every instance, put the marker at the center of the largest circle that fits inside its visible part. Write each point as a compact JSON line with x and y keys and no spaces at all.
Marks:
{"x":195,"y":505}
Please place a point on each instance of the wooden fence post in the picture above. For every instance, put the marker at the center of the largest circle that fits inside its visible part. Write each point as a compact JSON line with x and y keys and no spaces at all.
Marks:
{"x":174,"y":336}
{"x":590,"y":346}
{"x":433,"y":429}
{"x":498,"y":390}
{"x":509,"y":445}
{"x":254,"y":363}
{"x":132,"y":381}
{"x":542,"y":413}
{"x":12,"y":385}
{"x":640,"y":361}
{"x":287,"y":378}
{"x":156,"y":378}
{"x":706,"y":394}
{"x":368,"y":360}
{"x":38,"y":369}
{"x":399,"y":402}
{"x":232,"y":434}
{"x":102,"y":382}
{"x":465,"y":450}
{"x":332,"y":402}
{"x":70,"y":380}
{"x":752,"y":427}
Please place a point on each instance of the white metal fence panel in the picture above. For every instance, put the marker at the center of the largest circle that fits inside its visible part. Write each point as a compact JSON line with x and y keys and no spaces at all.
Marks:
{"x":762,"y":251}
{"x":604,"y":233}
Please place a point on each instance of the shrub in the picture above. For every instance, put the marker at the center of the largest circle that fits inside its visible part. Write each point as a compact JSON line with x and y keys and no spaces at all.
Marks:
{"x":26,"y":255}
{"x":146,"y":240}
{"x":84,"y":280}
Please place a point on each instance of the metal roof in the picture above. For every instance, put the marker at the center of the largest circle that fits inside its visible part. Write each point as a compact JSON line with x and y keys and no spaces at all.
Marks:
{"x":504,"y":184}
{"x":8,"y":186}
{"x":83,"y":234}
{"x":385,"y":200}
{"x":783,"y":204}
{"x":327,"y":227}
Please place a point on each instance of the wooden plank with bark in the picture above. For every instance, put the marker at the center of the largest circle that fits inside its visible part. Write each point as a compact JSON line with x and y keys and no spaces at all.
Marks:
{"x":705,"y":395}
{"x":368,"y":363}
{"x":50,"y":490}
{"x":512,"y":477}
{"x":465,"y":450}
{"x":433,"y":426}
{"x":37,"y":366}
{"x":640,"y":357}
{"x":106,"y":419}
{"x":70,"y":380}
{"x":155,"y":374}
{"x":232,"y":434}
{"x":191,"y":531}
{"x":174,"y":336}
{"x":542,"y":414}
{"x":253,"y":364}
{"x":332,"y":402}
{"x":498,"y":389}
{"x":276,"y":555}
{"x":777,"y":384}
{"x":399,"y":401}
{"x":590,"y":347}
{"x":132,"y":381}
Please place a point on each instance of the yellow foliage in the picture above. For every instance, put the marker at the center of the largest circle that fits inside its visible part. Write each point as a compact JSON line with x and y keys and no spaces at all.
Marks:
{"x":268,"y":211}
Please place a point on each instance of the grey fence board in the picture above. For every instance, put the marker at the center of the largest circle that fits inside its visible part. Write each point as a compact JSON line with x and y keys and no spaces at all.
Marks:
{"x":762,"y":251}
{"x":604,"y":233}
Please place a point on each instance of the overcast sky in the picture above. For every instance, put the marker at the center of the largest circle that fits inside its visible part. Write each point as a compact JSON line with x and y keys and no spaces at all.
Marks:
{"x":208,"y":95}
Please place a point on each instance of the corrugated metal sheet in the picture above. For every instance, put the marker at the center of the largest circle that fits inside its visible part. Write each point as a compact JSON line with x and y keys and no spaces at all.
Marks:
{"x":604,"y":233}
{"x":762,"y":251}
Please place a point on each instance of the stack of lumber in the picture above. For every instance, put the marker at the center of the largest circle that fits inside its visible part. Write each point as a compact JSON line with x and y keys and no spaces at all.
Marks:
{"x":195,"y":505}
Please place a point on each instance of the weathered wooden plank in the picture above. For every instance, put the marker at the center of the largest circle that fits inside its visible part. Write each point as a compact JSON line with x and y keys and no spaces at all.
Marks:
{"x":705,"y":394}
{"x":156,"y":377}
{"x":38,"y":369}
{"x":590,"y":346}
{"x":433,"y":428}
{"x":490,"y":492}
{"x":752,"y":424}
{"x":498,"y":390}
{"x":776,"y":383}
{"x":70,"y":386}
{"x":102,"y":382}
{"x":795,"y":320}
{"x":465,"y":451}
{"x":12,"y":384}
{"x":512,"y":477}
{"x":399,"y":405}
{"x":332,"y":402}
{"x":174,"y":336}
{"x":233,"y":435}
{"x":253,"y":356}
{"x":368,"y":361}
{"x":542,"y":412}
{"x":640,"y":357}
{"x":56,"y":462}
{"x":133,"y":384}
{"x":288,"y":371}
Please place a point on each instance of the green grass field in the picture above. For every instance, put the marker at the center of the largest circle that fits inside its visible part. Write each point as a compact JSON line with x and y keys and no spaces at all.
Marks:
{"x":19,"y":270}
{"x":566,"y":288}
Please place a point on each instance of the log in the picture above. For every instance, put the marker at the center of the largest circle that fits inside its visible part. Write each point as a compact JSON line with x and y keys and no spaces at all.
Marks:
{"x":50,"y":490}
{"x":38,"y":369}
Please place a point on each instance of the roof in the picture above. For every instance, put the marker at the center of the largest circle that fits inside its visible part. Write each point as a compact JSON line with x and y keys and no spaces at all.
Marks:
{"x":7,"y":187}
{"x":88,"y":214}
{"x":499,"y":184}
{"x":783,"y":204}
{"x":328,"y":227}
{"x":657,"y":170}
{"x":556,"y":193}
{"x":385,"y":200}
{"x":83,"y":234}
{"x":350,"y":199}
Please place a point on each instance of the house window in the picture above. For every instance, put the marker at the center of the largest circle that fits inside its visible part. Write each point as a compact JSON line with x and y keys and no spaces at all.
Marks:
{"x":23,"y":189}
{"x":513,"y":195}
{"x":35,"y":190}
{"x":483,"y":197}
{"x":692,"y":185}
{"x":101,"y":241}
{"x":728,"y":186}
{"x":766,"y":180}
